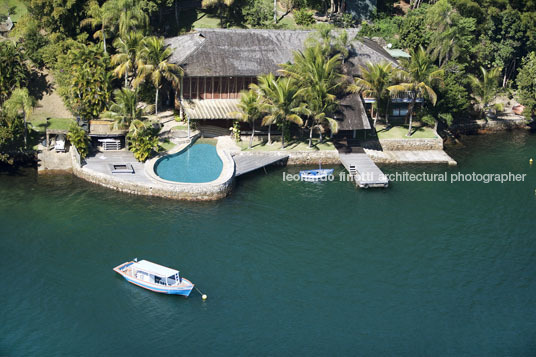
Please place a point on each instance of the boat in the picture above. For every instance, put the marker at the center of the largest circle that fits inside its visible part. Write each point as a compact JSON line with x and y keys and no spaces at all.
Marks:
{"x":154,"y":277}
{"x":319,"y":174}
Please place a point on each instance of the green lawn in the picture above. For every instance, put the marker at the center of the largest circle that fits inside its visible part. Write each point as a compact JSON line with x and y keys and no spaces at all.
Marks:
{"x":400,"y":131}
{"x":39,"y":124}
{"x":20,"y":8}
{"x":166,"y":145}
{"x":293,"y":145}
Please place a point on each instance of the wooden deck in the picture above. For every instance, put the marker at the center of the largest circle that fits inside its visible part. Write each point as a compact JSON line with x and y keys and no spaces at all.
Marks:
{"x":252,"y":162}
{"x":363,"y":170}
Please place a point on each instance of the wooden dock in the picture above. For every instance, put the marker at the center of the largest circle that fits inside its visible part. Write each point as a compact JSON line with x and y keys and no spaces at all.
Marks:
{"x":364,"y":171}
{"x":248,"y":163}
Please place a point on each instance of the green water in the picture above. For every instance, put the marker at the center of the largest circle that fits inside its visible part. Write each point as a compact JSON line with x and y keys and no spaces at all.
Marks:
{"x":290,"y":268}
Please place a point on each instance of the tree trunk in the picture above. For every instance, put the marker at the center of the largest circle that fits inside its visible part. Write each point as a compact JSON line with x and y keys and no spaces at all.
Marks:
{"x":412,"y":105}
{"x":156,"y":102}
{"x":126,"y":78}
{"x":25,"y":129}
{"x":283,"y":136}
{"x":311,"y":136}
{"x":270,"y":134}
{"x":104,"y":38}
{"x":387,"y":113}
{"x":375,"y":119}
{"x":436,"y":125}
{"x":275,"y":11}
{"x":252,"y":134}
{"x":177,"y":13}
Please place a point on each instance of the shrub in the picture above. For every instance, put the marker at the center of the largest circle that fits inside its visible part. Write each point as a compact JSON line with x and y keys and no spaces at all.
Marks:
{"x":303,"y":17}
{"x":79,"y":138}
{"x":142,"y":143}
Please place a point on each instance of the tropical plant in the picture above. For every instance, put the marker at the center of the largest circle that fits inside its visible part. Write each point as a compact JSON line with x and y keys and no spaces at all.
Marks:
{"x":251,"y":110}
{"x":283,"y":97}
{"x":374,"y":82}
{"x":153,"y":62}
{"x":21,"y":100}
{"x":526,"y":83}
{"x":84,"y":79}
{"x":142,"y":140}
{"x":133,"y":17}
{"x":79,"y":138}
{"x":417,"y":79}
{"x":124,"y":110}
{"x":100,"y":16}
{"x":265,"y":84}
{"x":127,"y":47}
{"x":304,"y":17}
{"x":485,"y":89}
{"x":320,"y":79}
{"x":11,"y":137}
{"x":14,"y":72}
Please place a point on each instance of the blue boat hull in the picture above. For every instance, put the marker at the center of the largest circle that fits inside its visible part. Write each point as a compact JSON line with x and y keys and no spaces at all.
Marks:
{"x":163,"y":290}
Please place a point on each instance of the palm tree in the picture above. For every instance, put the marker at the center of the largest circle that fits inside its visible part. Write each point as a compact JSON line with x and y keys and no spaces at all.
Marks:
{"x":125,"y":59}
{"x":417,"y":79}
{"x":220,"y":4}
{"x":485,"y":89}
{"x":265,"y":84}
{"x":20,"y":100}
{"x":284,"y":99}
{"x":321,"y":79}
{"x":99,"y":16}
{"x":124,"y":110}
{"x":374,"y":82}
{"x":153,"y":61}
{"x":132,"y":17}
{"x":251,"y":109}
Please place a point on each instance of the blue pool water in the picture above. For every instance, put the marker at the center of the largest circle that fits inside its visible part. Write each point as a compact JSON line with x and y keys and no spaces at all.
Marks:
{"x":199,"y":163}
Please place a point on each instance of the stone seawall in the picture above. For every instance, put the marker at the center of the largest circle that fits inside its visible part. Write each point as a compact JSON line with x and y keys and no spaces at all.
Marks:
{"x":490,"y":126}
{"x":405,"y":144}
{"x":190,"y":193}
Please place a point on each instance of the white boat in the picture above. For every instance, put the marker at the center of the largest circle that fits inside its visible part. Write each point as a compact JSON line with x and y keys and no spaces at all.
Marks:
{"x":154,"y":277}
{"x":315,"y":175}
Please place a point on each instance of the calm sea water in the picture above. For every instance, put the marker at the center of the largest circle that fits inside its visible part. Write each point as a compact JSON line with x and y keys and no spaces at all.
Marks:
{"x":290,"y":268}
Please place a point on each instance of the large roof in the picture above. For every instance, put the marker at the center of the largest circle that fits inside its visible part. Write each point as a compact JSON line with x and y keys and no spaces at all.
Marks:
{"x":353,"y":113}
{"x":155,"y":269}
{"x":222,"y":52}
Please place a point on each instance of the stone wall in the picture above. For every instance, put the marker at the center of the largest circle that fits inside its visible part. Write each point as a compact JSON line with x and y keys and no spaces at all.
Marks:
{"x":490,"y":126}
{"x":411,"y":144}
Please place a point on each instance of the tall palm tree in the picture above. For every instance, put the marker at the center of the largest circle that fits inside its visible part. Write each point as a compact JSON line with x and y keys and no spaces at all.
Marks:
{"x":251,"y":110}
{"x":20,"y":100}
{"x":417,"y":79}
{"x":127,"y":47}
{"x":132,"y":17}
{"x":374,"y":82}
{"x":124,"y":110}
{"x":284,"y":99}
{"x":99,"y":16}
{"x":153,"y":62}
{"x":485,"y":89}
{"x":321,"y":79}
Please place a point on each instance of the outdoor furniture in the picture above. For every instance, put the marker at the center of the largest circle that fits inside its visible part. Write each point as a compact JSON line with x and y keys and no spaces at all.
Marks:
{"x":110,"y":144}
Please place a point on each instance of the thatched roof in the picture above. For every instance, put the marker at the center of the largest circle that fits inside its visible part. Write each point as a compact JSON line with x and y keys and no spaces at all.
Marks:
{"x":353,"y":113}
{"x":222,"y":52}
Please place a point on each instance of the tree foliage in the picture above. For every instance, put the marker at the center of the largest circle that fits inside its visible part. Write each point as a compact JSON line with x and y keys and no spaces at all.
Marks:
{"x":526,"y":82}
{"x":79,"y":138}
{"x":14,"y":72}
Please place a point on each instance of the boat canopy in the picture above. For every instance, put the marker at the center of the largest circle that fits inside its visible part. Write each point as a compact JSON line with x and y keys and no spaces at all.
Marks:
{"x":155,"y":269}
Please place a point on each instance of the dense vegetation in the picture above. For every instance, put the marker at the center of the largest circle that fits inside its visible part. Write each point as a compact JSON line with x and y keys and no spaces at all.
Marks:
{"x":108,"y":56}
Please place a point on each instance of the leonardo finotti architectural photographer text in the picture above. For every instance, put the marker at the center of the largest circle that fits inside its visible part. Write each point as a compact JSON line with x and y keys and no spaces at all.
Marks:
{"x":423,"y":177}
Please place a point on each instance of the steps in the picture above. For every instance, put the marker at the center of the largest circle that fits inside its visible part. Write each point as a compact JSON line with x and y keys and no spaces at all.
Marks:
{"x":211,"y":131}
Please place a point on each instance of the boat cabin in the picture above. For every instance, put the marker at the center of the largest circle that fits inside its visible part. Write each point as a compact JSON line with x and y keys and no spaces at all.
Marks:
{"x":154,"y":273}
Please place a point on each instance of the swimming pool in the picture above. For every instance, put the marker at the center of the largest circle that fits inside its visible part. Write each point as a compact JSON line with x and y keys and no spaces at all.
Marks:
{"x":199,"y":163}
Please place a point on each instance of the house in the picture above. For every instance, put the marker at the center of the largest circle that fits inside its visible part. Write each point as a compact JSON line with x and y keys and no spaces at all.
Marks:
{"x":219,"y":63}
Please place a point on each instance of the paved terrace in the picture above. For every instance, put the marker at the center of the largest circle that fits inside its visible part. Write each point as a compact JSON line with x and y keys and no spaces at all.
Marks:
{"x":101,"y":163}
